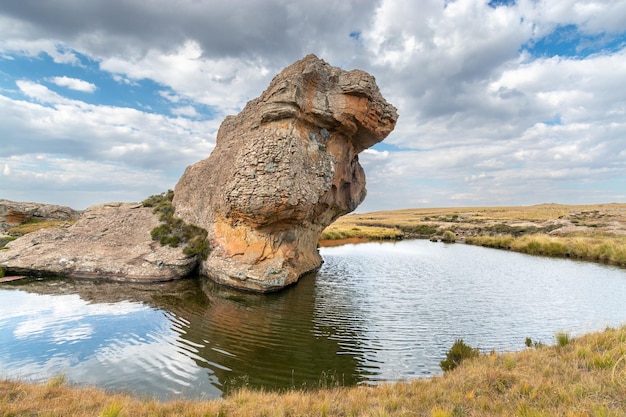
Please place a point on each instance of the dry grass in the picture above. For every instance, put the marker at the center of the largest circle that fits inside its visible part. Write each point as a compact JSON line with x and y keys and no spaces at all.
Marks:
{"x":335,"y":232}
{"x":585,"y":377}
{"x":604,"y":249}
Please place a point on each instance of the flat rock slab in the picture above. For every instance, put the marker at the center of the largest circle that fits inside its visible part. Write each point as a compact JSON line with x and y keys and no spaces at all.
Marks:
{"x":109,"y":241}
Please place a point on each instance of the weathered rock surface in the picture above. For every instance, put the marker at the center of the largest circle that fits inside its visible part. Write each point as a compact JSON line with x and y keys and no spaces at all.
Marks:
{"x":109,"y":241}
{"x":282,"y":170}
{"x":13,"y":213}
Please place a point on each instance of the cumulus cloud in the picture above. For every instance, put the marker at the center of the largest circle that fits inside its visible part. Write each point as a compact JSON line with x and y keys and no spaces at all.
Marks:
{"x":74,"y":84}
{"x":224,"y":83}
{"x":488,"y":113}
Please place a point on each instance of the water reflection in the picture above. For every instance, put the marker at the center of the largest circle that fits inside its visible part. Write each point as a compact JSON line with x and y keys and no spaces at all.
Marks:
{"x":188,"y":338}
{"x":374,"y":312}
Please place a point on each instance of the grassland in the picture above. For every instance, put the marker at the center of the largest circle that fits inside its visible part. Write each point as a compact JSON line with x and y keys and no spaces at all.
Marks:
{"x":589,"y":232}
{"x":577,"y":377}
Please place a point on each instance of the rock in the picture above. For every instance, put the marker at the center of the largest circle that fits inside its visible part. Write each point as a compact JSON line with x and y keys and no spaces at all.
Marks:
{"x":13,"y":213}
{"x":109,"y":241}
{"x":282,"y":170}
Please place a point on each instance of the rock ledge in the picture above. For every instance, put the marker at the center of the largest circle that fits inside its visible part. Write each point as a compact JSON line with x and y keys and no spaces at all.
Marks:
{"x":109,"y":241}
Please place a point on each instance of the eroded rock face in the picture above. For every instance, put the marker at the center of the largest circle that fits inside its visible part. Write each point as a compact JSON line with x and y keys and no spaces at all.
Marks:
{"x":109,"y":241}
{"x":282,"y":170}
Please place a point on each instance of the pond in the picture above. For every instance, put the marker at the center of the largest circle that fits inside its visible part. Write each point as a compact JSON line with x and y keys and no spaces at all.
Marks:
{"x":374,"y":312}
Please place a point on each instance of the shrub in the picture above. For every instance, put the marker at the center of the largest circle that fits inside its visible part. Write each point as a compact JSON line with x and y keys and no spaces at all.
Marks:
{"x":531,"y":343}
{"x":528,"y":342}
{"x":457,"y":354}
{"x":159,"y":199}
{"x":174,"y":231}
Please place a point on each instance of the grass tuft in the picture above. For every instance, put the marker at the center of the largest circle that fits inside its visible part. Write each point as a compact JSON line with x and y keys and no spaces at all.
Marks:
{"x":112,"y":410}
{"x":57,"y":381}
{"x":562,"y":339}
{"x":448,"y":236}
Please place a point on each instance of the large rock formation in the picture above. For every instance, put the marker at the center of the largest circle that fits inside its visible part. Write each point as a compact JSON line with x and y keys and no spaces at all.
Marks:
{"x":109,"y":241}
{"x":282,"y":170}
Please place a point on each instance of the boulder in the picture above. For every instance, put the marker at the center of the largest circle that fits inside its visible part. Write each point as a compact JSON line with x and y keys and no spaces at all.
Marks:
{"x":109,"y":241}
{"x":282,"y":170}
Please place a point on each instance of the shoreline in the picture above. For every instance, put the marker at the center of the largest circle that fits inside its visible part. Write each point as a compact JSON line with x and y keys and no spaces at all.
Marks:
{"x":594,"y":233}
{"x":583,"y":376}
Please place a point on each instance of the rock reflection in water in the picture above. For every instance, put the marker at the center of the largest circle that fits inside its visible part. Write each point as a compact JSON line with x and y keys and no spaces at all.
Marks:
{"x":374,"y":312}
{"x":188,"y":338}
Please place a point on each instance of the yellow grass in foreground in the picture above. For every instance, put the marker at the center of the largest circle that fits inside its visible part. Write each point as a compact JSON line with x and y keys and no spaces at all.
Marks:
{"x":585,"y":376}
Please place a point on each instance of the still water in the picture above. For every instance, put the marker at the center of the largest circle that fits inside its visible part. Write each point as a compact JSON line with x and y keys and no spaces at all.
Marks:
{"x":374,"y":312}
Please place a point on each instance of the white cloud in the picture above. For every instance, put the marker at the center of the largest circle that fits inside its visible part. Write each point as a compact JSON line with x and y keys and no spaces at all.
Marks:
{"x":224,"y":83}
{"x":481,"y":119}
{"x":73,"y":153}
{"x":40,"y":92}
{"x":74,"y":84}
{"x":187,"y":111}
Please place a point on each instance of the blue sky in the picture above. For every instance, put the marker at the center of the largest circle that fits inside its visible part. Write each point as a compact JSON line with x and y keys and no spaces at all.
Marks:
{"x":501,"y":102}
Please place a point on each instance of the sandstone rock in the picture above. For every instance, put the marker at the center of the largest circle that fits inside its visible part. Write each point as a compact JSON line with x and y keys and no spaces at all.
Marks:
{"x":13,"y":213}
{"x":109,"y":241}
{"x":282,"y":170}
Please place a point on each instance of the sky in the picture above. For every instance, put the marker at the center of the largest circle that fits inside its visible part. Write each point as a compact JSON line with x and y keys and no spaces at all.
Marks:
{"x":501,"y":102}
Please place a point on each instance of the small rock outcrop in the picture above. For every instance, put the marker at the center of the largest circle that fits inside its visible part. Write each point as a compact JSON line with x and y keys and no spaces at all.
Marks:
{"x":282,"y":170}
{"x":13,"y":213}
{"x":109,"y":241}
